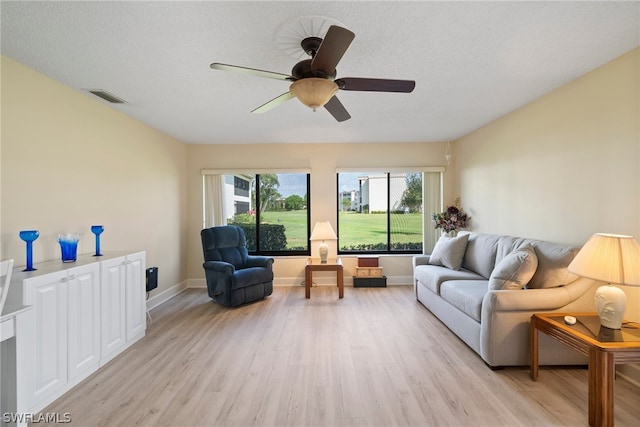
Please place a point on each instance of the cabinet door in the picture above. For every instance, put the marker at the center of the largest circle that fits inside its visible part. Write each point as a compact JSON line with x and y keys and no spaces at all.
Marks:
{"x":135,"y":296}
{"x":112,"y":292}
{"x":48,"y":296}
{"x":83,"y":287}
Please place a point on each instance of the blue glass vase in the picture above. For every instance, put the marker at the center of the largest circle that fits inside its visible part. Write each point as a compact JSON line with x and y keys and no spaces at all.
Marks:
{"x":97,"y":230}
{"x":29,"y":236}
{"x":69,"y":246}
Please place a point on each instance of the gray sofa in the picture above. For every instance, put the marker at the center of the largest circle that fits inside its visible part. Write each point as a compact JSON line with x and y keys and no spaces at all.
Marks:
{"x":485,"y":287}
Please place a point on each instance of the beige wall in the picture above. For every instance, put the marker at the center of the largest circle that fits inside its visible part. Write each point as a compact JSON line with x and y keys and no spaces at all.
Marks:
{"x":322,"y":160}
{"x":69,"y":161}
{"x":562,"y":167}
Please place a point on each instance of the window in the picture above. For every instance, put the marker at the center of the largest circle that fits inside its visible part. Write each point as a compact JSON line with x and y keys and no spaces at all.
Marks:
{"x":270,"y":207}
{"x":380,"y":212}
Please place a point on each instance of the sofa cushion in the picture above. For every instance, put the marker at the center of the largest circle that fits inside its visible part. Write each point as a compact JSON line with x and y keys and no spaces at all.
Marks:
{"x":508,"y":244}
{"x":431,"y":276}
{"x":480,"y":255}
{"x":465,"y":295}
{"x":553,"y":260}
{"x":449,"y":251}
{"x":515,"y":270}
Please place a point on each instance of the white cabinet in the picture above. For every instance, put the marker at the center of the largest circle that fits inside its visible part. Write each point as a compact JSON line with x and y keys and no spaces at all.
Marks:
{"x":122,"y":303}
{"x":112,"y":305}
{"x":48,"y":295}
{"x":85,"y":314}
{"x":83,"y":321}
{"x":135,"y":296}
{"x":65,"y":341}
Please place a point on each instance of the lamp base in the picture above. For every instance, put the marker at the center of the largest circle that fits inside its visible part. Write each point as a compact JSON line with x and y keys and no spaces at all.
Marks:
{"x":324,"y":251}
{"x":611,"y":303}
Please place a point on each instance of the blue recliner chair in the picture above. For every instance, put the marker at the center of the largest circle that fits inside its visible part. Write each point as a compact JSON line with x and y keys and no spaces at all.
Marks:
{"x":233,"y":276}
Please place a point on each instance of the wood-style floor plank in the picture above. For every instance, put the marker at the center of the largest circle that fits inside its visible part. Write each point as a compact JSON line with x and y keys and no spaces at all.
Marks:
{"x":375,"y":358}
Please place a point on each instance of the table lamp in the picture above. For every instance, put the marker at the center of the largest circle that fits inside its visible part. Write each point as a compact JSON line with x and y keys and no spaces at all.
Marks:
{"x":614,"y":259}
{"x":323,"y":231}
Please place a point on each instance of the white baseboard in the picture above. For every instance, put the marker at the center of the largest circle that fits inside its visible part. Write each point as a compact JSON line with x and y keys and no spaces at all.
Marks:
{"x":166,"y":295}
{"x":399,"y":280}
{"x":196,"y":283}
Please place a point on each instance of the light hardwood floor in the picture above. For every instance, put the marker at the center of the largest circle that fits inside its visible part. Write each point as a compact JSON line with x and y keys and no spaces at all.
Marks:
{"x":375,"y":358}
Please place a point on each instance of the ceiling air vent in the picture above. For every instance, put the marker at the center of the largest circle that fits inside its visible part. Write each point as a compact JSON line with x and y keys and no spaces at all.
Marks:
{"x":109,"y":97}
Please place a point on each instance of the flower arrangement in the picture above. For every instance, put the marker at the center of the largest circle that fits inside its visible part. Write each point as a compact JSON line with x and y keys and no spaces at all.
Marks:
{"x":453,"y":218}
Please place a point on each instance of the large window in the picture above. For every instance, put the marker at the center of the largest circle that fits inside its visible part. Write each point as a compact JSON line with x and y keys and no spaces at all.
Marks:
{"x":380,"y":212}
{"x":272,"y":208}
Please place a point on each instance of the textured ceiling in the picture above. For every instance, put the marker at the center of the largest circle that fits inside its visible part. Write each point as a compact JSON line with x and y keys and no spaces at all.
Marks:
{"x":472,"y":61}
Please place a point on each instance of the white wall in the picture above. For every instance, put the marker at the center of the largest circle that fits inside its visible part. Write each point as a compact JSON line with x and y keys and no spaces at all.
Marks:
{"x":322,"y":159}
{"x":562,"y":167}
{"x":70,"y":161}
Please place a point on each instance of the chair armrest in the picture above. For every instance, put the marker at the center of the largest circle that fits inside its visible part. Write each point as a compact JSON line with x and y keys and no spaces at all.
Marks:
{"x":219,"y":267}
{"x":259,"y":261}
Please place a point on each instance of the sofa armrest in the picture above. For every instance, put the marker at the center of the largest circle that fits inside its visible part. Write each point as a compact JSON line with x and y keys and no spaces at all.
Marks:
{"x":259,"y":261}
{"x":536,"y":300}
{"x":416,"y":261}
{"x":505,"y":330}
{"x":420,"y":260}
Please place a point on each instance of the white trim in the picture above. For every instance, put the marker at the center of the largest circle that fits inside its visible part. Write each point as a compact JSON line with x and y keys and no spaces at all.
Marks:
{"x":393,"y":169}
{"x":166,"y":295}
{"x":252,"y":171}
{"x":432,"y":194}
{"x":196,"y":283}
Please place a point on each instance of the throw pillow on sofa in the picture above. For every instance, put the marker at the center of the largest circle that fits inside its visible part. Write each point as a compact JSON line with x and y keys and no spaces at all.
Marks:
{"x":515,"y":270}
{"x":449,"y":251}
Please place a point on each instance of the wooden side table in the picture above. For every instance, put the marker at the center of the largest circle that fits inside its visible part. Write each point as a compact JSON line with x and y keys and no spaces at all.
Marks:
{"x":605,"y":348}
{"x":332,"y":264}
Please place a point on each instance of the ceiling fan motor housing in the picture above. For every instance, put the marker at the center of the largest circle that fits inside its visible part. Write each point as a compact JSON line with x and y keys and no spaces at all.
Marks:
{"x":302,"y":70}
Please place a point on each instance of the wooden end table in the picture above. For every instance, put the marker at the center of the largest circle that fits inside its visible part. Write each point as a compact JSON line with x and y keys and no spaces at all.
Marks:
{"x":605,"y":348}
{"x":332,"y":264}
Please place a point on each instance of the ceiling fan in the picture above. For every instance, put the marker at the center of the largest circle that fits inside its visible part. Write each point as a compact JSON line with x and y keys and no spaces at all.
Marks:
{"x":314,"y":80}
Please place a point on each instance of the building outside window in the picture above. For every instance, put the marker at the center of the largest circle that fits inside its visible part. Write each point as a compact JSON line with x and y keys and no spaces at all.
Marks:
{"x":380,"y":212}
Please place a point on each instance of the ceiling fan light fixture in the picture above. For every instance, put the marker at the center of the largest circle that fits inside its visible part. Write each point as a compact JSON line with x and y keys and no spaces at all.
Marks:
{"x":314,"y":92}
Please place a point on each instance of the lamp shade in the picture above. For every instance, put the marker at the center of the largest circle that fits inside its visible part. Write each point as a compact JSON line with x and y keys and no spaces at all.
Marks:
{"x":610,"y":258}
{"x":323,"y":231}
{"x":313,"y":92}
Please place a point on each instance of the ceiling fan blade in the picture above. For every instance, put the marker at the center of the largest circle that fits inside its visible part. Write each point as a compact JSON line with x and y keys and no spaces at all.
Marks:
{"x":375,"y":85}
{"x":333,"y":46}
{"x":278,"y":100}
{"x":251,"y":71}
{"x":337,"y":110}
